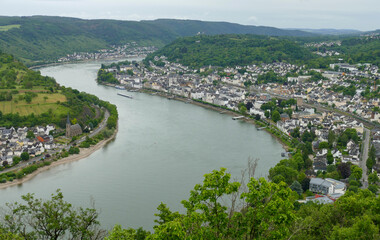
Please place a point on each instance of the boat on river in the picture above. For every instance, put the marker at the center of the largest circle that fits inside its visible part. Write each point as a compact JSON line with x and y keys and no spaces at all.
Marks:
{"x":125,"y":95}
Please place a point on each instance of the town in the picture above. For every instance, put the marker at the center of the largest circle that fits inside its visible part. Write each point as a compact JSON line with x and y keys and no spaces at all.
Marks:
{"x":327,"y":102}
{"x":114,"y":52}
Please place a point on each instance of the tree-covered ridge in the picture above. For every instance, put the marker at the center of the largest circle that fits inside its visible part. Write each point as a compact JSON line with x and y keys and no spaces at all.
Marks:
{"x":43,"y":38}
{"x":232,"y":50}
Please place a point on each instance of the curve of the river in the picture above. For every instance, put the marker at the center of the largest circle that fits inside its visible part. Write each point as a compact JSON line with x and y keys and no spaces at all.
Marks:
{"x":163,"y":148}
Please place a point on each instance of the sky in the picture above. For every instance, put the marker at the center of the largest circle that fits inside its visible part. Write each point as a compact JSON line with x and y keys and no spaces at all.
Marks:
{"x":339,"y":14}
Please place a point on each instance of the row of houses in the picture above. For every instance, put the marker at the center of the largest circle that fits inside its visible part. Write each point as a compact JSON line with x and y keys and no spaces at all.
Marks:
{"x":13,"y":142}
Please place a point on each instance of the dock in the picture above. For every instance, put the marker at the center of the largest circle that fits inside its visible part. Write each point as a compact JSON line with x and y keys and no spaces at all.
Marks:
{"x":124,"y":95}
{"x":223,"y":112}
{"x":261,"y":128}
{"x":237,"y":118}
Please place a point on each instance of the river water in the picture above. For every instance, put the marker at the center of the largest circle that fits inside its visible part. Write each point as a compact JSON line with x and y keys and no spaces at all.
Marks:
{"x":163,"y":148}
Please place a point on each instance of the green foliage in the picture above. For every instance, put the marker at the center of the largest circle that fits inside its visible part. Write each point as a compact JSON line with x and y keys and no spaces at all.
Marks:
{"x":270,"y":77}
{"x":349,"y":91}
{"x":373,"y":188}
{"x":356,"y":172}
{"x":352,"y":216}
{"x":24,"y":156}
{"x":106,"y":77}
{"x":373,"y":178}
{"x":346,"y":136}
{"x":74,"y":150}
{"x":275,"y":116}
{"x":50,"y":219}
{"x":231,"y":50}
{"x":297,"y":187}
{"x":30,"y":135}
{"x":267,"y":211}
{"x":323,"y":145}
{"x":329,"y":157}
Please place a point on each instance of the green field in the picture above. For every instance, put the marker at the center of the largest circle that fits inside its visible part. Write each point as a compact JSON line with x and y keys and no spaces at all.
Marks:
{"x":8,"y":27}
{"x":38,"y":105}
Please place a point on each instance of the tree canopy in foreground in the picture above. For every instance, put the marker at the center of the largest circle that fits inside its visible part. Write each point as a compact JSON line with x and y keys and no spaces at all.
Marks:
{"x":218,"y":208}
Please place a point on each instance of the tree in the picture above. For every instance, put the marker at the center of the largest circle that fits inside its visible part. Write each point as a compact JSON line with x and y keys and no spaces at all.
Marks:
{"x":30,"y":134}
{"x":344,"y":170}
{"x":323,"y":145}
{"x":204,"y":202}
{"x":305,"y":184}
{"x":296,"y":186}
{"x":271,"y":212}
{"x":329,"y":157}
{"x":373,"y":188}
{"x":117,"y":233}
{"x":356,"y":172}
{"x":276,"y":116}
{"x":243,"y":110}
{"x":267,"y":114}
{"x":28,"y":98}
{"x":373,"y":178}
{"x":25,"y":156}
{"x":257,"y":117}
{"x":51,"y":219}
{"x":296,"y":132}
{"x":289,"y":174}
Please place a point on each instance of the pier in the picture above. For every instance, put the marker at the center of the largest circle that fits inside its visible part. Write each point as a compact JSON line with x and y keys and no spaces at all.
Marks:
{"x":237,"y":118}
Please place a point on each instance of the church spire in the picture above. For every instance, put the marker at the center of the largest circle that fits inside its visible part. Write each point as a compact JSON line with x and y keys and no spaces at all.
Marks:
{"x":68,"y":120}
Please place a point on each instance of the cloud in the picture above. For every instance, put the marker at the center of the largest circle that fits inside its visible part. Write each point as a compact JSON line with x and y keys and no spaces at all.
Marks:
{"x":253,"y":19}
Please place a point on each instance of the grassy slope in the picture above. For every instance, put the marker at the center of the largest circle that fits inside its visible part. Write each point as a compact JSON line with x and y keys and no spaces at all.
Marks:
{"x":38,"y":105}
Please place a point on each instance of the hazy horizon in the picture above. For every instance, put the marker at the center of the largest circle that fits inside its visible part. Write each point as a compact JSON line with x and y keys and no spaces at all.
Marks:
{"x":305,"y":14}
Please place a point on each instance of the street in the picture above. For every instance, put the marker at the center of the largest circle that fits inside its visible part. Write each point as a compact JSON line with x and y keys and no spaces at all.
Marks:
{"x":362,"y":163}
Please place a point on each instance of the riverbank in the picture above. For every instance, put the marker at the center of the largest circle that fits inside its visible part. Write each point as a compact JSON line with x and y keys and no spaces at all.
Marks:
{"x":84,"y":153}
{"x":84,"y":61}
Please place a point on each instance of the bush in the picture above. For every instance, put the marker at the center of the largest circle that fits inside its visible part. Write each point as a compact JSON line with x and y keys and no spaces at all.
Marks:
{"x":3,"y":180}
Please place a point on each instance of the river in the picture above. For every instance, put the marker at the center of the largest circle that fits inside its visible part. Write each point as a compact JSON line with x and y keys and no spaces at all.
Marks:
{"x":163,"y":148}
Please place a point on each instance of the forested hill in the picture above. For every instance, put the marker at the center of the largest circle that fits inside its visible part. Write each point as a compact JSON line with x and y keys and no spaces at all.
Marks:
{"x":40,"y":38}
{"x":193,"y":27}
{"x":43,"y":38}
{"x":232,"y":50}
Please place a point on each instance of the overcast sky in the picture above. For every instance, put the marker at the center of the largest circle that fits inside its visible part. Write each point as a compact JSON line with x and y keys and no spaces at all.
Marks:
{"x":347,"y":14}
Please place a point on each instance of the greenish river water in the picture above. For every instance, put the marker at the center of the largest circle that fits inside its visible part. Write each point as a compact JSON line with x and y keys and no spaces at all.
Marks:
{"x":163,"y":148}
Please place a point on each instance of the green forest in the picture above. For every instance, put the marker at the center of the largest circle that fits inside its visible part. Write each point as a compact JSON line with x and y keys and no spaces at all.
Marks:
{"x":237,"y":49}
{"x":39,"y":39}
{"x":232,"y":50}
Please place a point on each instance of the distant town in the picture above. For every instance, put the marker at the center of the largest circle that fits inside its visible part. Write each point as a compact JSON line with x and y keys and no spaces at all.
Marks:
{"x":131,"y":49}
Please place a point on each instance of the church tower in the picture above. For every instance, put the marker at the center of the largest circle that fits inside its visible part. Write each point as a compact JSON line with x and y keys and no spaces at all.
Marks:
{"x":68,"y":127}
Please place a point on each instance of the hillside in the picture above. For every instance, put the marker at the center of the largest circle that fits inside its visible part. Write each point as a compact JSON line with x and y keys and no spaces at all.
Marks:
{"x":29,"y":99}
{"x":42,"y":38}
{"x":232,"y":50}
{"x":192,"y":27}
